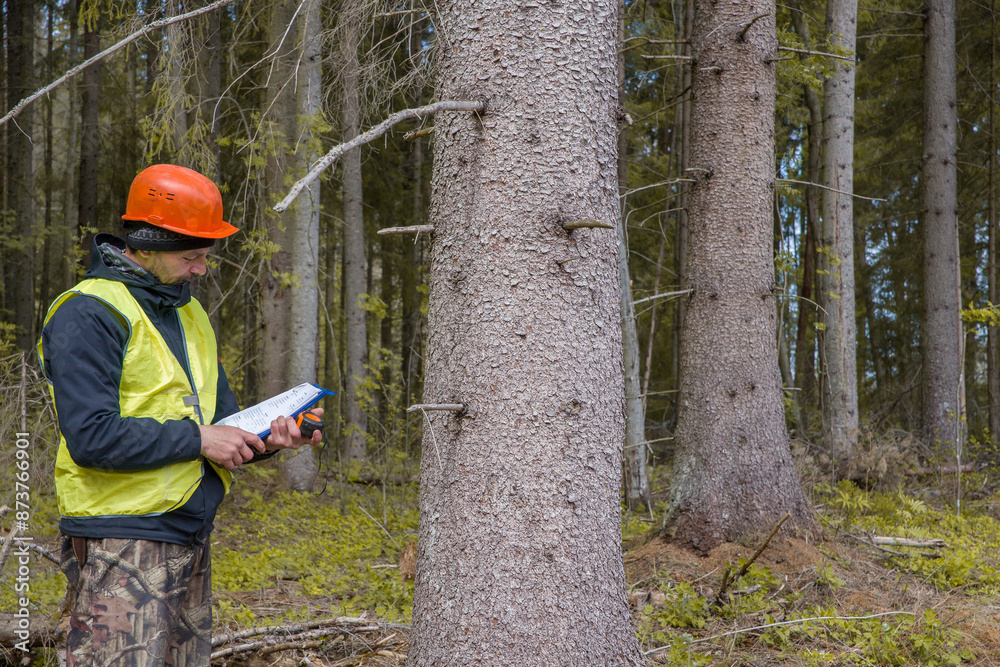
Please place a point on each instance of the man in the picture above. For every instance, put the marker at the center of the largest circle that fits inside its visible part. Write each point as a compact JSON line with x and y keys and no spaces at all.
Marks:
{"x":134,"y":371}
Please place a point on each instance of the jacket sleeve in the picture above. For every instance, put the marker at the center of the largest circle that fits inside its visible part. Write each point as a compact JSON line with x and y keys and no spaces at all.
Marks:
{"x":84,"y":348}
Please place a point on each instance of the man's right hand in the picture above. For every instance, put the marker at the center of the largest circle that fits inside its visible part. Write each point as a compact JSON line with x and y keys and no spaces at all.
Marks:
{"x":228,"y":446}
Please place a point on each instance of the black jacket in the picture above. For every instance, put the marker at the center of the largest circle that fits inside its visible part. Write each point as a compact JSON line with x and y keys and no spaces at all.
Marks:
{"x":84,"y":345}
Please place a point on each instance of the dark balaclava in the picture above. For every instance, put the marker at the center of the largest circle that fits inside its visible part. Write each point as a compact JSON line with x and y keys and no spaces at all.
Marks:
{"x":143,"y":236}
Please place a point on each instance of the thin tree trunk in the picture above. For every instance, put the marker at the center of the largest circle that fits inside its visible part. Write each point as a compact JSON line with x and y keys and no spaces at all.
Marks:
{"x":519,"y":499}
{"x":276,"y":292}
{"x":637,"y":494}
{"x":20,"y":273}
{"x":355,"y":260}
{"x":942,"y":331}
{"x":299,"y":470}
{"x":805,"y":338}
{"x":840,"y":388}
{"x":733,"y":472}
{"x":993,"y":340}
{"x":683,"y":214}
{"x":89,"y":108}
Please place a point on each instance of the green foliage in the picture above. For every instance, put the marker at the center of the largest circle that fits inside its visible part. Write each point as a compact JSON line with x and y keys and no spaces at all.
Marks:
{"x":879,"y":639}
{"x":343,"y":558}
{"x":973,"y":539}
{"x":684,"y":608}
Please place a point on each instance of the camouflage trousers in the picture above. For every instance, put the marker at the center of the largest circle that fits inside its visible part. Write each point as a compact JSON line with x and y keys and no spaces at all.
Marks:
{"x":138,"y":603}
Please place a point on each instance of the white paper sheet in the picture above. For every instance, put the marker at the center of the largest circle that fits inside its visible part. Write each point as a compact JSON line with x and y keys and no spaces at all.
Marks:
{"x":257,"y":419}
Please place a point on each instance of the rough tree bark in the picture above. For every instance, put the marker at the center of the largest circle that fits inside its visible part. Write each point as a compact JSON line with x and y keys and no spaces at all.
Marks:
{"x":840,"y":385}
{"x":733,"y":472}
{"x":993,"y":339}
{"x":519,"y":557}
{"x":942,"y":330}
{"x":355,"y":256}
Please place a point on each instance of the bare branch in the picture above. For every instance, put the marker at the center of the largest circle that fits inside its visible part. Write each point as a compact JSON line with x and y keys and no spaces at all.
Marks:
{"x":586,"y":224}
{"x":839,"y":192}
{"x":413,"y":229}
{"x":440,"y":407}
{"x":665,"y":295}
{"x":155,"y":25}
{"x":366,"y":137}
{"x":816,"y":53}
{"x":416,"y":134}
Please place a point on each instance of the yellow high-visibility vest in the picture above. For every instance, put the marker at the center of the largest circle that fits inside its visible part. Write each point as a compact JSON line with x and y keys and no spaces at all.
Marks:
{"x":153,"y":384}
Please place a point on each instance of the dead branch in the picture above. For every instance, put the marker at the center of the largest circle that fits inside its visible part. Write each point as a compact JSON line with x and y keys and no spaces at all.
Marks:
{"x":412,"y":229}
{"x":440,"y":407}
{"x":334,"y":153}
{"x":155,"y":25}
{"x":276,"y":640}
{"x":586,"y":224}
{"x":814,"y":53}
{"x":6,"y":546}
{"x":416,"y":134}
{"x":289,"y":629}
{"x":909,"y":542}
{"x":839,"y":192}
{"x":291,"y":646}
{"x":725,"y":577}
{"x":665,"y":295}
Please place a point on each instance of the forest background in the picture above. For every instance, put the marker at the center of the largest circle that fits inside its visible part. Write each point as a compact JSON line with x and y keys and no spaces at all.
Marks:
{"x":252,"y":93}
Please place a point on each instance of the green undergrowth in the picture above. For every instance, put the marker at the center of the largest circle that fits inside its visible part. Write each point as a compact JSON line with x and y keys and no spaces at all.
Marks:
{"x":971,"y":560}
{"x":338,"y":550}
{"x":812,"y":617}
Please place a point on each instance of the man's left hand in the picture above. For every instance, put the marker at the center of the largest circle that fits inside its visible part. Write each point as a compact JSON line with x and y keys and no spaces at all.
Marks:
{"x":286,"y":435}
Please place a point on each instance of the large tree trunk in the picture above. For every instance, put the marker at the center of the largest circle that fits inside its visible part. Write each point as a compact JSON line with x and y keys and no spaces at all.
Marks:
{"x":840,"y":386}
{"x":733,"y":472}
{"x":299,"y":469}
{"x":20,"y":275}
{"x":519,"y":557}
{"x":942,"y":331}
{"x":355,"y":260}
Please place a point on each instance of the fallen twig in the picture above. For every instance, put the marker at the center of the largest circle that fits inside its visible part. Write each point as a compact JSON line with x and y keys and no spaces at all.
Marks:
{"x":725,"y":576}
{"x":289,"y":629}
{"x":272,"y":640}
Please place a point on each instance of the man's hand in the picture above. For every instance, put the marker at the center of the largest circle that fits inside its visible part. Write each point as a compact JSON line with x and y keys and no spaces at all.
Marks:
{"x":229,"y":446}
{"x":286,"y":435}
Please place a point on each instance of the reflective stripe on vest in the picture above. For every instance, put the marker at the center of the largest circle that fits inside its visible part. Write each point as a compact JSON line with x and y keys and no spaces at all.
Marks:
{"x":153,"y":384}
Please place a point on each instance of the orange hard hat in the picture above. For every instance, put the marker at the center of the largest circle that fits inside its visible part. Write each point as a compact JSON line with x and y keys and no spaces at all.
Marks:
{"x":178,"y":199}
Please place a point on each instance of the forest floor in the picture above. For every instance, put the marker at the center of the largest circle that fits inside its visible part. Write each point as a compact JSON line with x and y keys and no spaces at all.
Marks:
{"x":326,"y":580}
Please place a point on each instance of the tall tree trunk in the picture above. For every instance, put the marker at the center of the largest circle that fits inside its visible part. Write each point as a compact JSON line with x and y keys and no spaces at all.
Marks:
{"x":683,"y":212}
{"x":178,"y":51}
{"x":520,"y":532}
{"x":299,"y":469}
{"x":355,"y":260}
{"x":733,"y":472}
{"x":942,"y":331}
{"x":89,"y":110}
{"x":840,"y":386}
{"x":276,"y":292}
{"x":993,"y":339}
{"x":637,"y":494}
{"x":20,"y":178}
{"x":805,"y":339}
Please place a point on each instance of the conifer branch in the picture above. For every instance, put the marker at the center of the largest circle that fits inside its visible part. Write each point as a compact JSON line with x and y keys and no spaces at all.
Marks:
{"x":334,"y":153}
{"x":155,"y":25}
